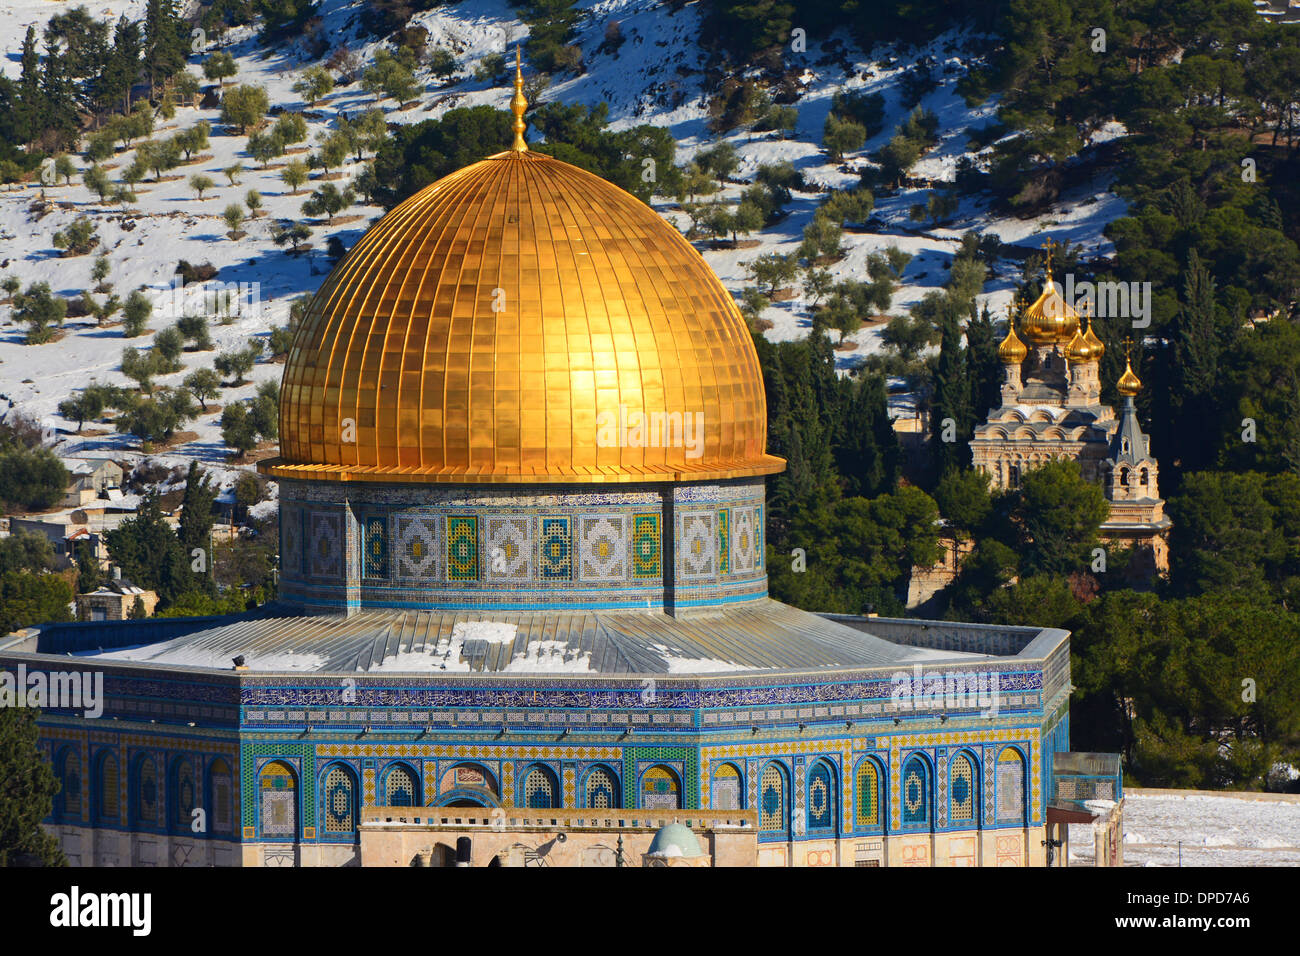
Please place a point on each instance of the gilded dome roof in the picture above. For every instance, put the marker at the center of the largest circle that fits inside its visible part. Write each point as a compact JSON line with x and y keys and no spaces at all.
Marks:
{"x":1079,"y":350}
{"x":1012,"y":351}
{"x":1097,"y":349}
{"x":1050,"y":320}
{"x":1129,"y":384}
{"x":509,"y":323}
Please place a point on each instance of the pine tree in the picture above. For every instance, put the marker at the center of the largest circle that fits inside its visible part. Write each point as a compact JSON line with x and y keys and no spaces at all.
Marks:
{"x":164,"y":42}
{"x":29,"y":785}
{"x":30,"y":99}
{"x":123,"y":67}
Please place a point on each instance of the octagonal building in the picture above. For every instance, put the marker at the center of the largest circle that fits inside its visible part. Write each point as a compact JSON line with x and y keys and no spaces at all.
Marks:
{"x":523,"y":614}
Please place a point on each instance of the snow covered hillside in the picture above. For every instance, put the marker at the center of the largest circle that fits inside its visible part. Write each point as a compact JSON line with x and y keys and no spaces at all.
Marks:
{"x":654,"y":77}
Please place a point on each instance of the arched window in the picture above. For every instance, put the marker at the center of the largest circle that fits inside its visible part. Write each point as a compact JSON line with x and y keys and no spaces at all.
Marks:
{"x":1013,"y":476}
{"x":146,"y":792}
{"x":341,"y":799}
{"x":962,"y":784}
{"x":600,"y":789}
{"x":821,"y":797}
{"x":916,"y":792}
{"x":867,"y":812}
{"x":660,"y":789}
{"x":221,"y":788}
{"x":107,"y":789}
{"x":1142,"y":478}
{"x":728,"y":792}
{"x":278,"y":785}
{"x":1123,"y":476}
{"x":68,"y":803}
{"x":183,"y":797}
{"x":540,"y":790}
{"x":400,"y":787}
{"x":1011,"y":786}
{"x":772,"y":798}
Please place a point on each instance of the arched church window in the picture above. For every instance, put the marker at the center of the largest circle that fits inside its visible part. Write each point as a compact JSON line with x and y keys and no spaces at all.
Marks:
{"x":1123,"y":477}
{"x":1123,"y":444}
{"x":1011,"y":786}
{"x":1013,"y":476}
{"x":278,"y":786}
{"x":916,"y":792}
{"x":1142,"y":477}
{"x":867,"y":812}
{"x":600,"y":789}
{"x":400,"y":788}
{"x":660,"y":790}
{"x":341,"y":800}
{"x":107,"y":792}
{"x":184,"y":798}
{"x":821,"y":797}
{"x":727,"y":791}
{"x":221,"y":786}
{"x":539,"y":789}
{"x":961,"y":789}
{"x":771,"y":798}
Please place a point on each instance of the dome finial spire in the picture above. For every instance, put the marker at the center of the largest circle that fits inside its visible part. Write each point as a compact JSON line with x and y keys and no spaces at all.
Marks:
{"x":518,"y":104}
{"x":1129,"y":384}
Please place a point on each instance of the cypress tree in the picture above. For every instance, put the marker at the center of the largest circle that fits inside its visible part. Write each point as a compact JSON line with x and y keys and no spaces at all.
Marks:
{"x":196,"y":522}
{"x":951,"y":396}
{"x":29,"y":785}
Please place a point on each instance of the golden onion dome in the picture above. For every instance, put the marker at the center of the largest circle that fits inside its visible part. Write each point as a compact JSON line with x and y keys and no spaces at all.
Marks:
{"x":1129,"y":384}
{"x":514,"y":322}
{"x":1095,"y":345}
{"x":1050,"y":320}
{"x":1078,"y":351}
{"x":1012,"y":351}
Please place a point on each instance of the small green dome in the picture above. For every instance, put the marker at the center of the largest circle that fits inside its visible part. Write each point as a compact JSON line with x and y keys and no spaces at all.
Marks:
{"x":676,"y":839}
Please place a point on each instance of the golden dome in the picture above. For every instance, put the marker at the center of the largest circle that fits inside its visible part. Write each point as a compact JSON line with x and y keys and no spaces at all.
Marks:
{"x":1129,"y":384}
{"x":1011,"y":350}
{"x":1095,"y":346}
{"x":1078,"y":351}
{"x":510,"y":322}
{"x":1050,"y":320}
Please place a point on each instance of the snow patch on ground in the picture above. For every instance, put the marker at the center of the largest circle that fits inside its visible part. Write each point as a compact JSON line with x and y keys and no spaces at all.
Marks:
{"x":1212,"y":831}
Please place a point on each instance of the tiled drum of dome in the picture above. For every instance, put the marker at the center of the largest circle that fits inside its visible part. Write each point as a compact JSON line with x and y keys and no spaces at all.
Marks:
{"x":698,"y":544}
{"x":375,"y":542}
{"x":417,"y":541}
{"x":645,"y":546}
{"x":509,"y":555}
{"x":556,"y":552}
{"x":602,"y":548}
{"x":462,"y":548}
